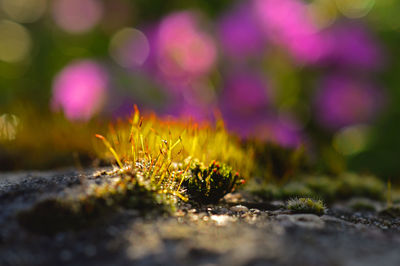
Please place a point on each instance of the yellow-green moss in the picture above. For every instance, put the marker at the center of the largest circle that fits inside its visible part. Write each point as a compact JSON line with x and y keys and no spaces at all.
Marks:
{"x":306,"y":205}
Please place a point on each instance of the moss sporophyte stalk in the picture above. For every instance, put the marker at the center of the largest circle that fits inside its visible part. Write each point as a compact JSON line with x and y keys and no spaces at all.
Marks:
{"x":159,"y":163}
{"x":163,"y":162}
{"x":171,"y":154}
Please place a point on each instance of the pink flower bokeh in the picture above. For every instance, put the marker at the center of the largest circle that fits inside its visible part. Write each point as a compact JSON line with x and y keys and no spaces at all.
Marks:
{"x":288,"y":24}
{"x":79,"y":90}
{"x":342,"y":101}
{"x":183,"y":48}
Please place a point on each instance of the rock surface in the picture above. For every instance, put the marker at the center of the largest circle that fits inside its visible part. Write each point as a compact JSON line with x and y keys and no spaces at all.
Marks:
{"x":214,"y":235}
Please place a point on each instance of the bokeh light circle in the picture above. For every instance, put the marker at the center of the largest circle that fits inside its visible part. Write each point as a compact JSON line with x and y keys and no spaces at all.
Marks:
{"x":77,"y":16}
{"x":9,"y":124}
{"x":355,"y":8}
{"x":24,"y":11}
{"x":323,"y":12}
{"x":129,"y":47}
{"x":351,"y":140}
{"x":15,"y":42}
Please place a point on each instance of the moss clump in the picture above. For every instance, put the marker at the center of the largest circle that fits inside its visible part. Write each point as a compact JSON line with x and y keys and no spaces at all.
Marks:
{"x":306,"y":205}
{"x":296,"y":190}
{"x":51,"y":216}
{"x":207,"y":185}
{"x":56,"y":214}
{"x":323,"y":187}
{"x":328,"y":188}
{"x":274,"y":162}
{"x":391,"y":211}
{"x":363,"y":204}
{"x":265,"y":192}
{"x":353,"y":185}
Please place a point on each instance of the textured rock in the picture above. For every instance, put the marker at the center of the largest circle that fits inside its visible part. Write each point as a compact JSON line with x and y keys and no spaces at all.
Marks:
{"x":213,"y":235}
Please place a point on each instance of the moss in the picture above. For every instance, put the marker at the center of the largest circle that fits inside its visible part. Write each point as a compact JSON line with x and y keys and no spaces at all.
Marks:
{"x":323,"y":187}
{"x":329,"y":189}
{"x":353,"y":185}
{"x":362,"y":204}
{"x":207,"y":185}
{"x":51,"y":216}
{"x":57,"y":214}
{"x":306,"y":205}
{"x":274,"y":162}
{"x":296,"y":189}
{"x":392,"y":211}
{"x":266,"y":192}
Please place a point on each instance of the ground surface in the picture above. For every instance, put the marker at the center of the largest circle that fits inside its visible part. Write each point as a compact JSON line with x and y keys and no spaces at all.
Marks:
{"x":228,"y":234}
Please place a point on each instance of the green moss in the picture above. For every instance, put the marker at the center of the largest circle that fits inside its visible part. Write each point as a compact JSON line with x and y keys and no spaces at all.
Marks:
{"x":392,"y":211}
{"x":329,"y":189}
{"x":207,"y":185}
{"x":265,"y":192}
{"x":362,"y":204}
{"x":353,"y":185}
{"x":323,"y":187}
{"x":61,"y":214}
{"x":306,"y":205}
{"x":296,"y":189}
{"x":275,"y":162}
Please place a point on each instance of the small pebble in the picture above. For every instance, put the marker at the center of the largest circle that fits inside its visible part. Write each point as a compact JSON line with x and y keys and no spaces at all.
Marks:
{"x":239,"y":208}
{"x":202,"y":215}
{"x":192,"y":211}
{"x":90,"y":250}
{"x":112,"y":230}
{"x":65,"y":255}
{"x":180,"y":213}
{"x":255,"y":211}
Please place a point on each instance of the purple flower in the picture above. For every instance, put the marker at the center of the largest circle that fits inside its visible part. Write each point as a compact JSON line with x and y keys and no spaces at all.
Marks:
{"x":265,"y":126}
{"x":244,"y":92}
{"x":240,"y":34}
{"x":353,"y":46}
{"x":183,"y":49}
{"x":196,"y":100}
{"x":343,"y":101}
{"x":80,"y":89}
{"x":288,"y":23}
{"x":244,"y":101}
{"x":244,"y":126}
{"x":284,"y":131}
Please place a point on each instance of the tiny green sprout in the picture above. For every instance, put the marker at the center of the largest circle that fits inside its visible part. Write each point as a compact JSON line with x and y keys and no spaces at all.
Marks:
{"x":207,"y":185}
{"x":389,"y":199}
{"x":306,"y":205}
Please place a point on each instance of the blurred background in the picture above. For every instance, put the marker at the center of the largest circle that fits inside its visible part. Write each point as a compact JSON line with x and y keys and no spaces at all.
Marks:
{"x":321,"y":74}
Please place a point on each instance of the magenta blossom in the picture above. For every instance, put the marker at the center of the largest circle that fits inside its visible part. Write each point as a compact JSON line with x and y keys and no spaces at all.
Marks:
{"x":183,"y":48}
{"x":80,"y":89}
{"x":243,"y":125}
{"x":353,"y":46}
{"x":196,"y":111}
{"x":245,"y":92}
{"x":284,"y":131}
{"x":240,"y":34}
{"x":288,"y":23}
{"x":343,"y":101}
{"x":244,"y":102}
{"x":265,"y":126}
